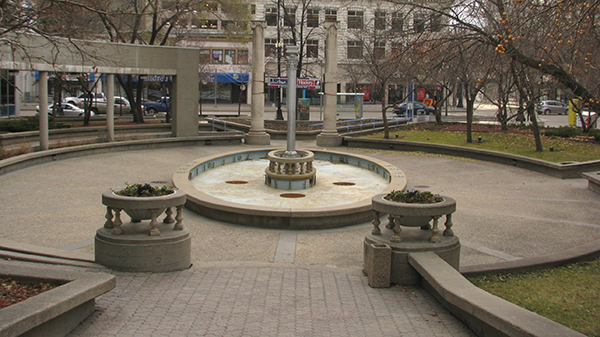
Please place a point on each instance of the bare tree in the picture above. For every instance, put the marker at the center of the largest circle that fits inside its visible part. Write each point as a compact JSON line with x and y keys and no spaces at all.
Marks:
{"x":556,"y":38}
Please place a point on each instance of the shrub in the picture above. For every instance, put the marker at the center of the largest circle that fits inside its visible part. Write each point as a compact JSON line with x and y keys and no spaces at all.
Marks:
{"x":23,"y":124}
{"x":414,"y":197}
{"x":594,"y":133}
{"x":145,"y":190}
{"x":563,"y":131}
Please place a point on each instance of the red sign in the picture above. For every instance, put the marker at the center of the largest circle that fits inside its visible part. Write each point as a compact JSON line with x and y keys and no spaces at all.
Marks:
{"x":308,"y":83}
{"x":420,"y":94}
{"x":366,"y":92}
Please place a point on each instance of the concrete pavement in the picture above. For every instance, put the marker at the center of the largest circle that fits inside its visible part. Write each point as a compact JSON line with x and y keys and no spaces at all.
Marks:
{"x":238,"y":286}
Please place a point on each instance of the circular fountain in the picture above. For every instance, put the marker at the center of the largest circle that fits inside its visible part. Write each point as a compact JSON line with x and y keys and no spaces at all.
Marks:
{"x":239,"y":195}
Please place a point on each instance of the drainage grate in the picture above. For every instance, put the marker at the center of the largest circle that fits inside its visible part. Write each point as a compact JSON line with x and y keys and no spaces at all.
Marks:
{"x":236,"y":182}
{"x":292,"y":195}
{"x":344,"y":183}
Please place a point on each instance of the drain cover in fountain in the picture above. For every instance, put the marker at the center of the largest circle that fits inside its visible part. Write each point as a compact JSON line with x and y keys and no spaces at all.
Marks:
{"x":344,"y":183}
{"x":292,"y":195}
{"x":236,"y":182}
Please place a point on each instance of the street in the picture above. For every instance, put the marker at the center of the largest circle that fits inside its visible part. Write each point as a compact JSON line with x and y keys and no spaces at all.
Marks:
{"x":483,"y":111}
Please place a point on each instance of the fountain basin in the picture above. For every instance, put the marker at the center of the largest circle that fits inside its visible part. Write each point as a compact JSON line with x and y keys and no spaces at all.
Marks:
{"x":288,"y":217}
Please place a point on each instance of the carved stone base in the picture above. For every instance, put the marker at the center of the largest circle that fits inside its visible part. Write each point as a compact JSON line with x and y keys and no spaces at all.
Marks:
{"x":136,"y":251}
{"x":257,"y":138}
{"x":414,"y":240}
{"x":329,"y":140}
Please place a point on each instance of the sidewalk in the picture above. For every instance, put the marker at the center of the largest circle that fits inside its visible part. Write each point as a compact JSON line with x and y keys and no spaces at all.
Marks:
{"x":235,"y":286}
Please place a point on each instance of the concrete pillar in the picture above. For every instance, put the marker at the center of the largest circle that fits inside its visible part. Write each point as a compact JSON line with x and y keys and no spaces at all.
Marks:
{"x":43,"y":103}
{"x":110,"y":106}
{"x":329,"y":136}
{"x":257,"y":134}
{"x":184,"y":94}
{"x":18,"y":92}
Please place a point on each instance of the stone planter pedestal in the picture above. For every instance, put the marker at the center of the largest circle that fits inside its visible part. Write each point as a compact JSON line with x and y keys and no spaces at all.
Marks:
{"x":136,"y":246}
{"x":419,"y":236}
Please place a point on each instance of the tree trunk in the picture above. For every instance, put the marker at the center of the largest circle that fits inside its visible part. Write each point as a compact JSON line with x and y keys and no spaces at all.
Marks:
{"x":386,"y":127}
{"x":536,"y":128}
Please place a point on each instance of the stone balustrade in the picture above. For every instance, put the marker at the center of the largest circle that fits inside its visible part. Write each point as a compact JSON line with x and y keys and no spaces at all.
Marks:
{"x":287,"y":173}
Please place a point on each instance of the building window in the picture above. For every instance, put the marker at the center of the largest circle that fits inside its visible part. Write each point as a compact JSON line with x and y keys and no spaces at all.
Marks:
{"x":289,"y":19}
{"x":331,"y":15}
{"x":355,"y":19}
{"x":312,"y":18}
{"x":230,"y":56}
{"x":205,"y":24}
{"x":355,"y":50}
{"x":270,"y":47}
{"x":252,"y":9}
{"x":380,"y":20}
{"x":204,"y":56}
{"x":379,"y":50}
{"x":312,"y":48}
{"x":243,"y":56}
{"x":397,"y":21}
{"x":271,"y":16}
{"x":217,"y":56}
{"x":419,"y":23}
{"x":397,"y":49}
{"x":210,"y":6}
{"x":436,"y":23}
{"x":228,"y":25}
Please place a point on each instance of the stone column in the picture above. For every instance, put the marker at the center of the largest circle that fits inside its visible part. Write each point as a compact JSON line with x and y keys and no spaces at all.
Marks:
{"x":329,"y":136}
{"x":257,"y":134}
{"x":110,"y":106}
{"x":292,"y":66}
{"x":18,"y":92}
{"x":43,"y":84}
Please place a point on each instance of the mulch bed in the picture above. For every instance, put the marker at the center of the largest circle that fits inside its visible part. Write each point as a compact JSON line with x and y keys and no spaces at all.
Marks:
{"x":12,"y":291}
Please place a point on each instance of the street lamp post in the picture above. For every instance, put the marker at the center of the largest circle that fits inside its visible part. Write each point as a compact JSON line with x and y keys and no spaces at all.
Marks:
{"x":279,"y":115}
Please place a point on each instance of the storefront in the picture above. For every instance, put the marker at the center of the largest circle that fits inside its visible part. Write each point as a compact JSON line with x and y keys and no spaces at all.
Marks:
{"x":224,"y":87}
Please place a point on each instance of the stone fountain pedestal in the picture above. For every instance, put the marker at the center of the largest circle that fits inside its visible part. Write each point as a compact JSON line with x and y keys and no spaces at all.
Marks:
{"x":142,"y":246}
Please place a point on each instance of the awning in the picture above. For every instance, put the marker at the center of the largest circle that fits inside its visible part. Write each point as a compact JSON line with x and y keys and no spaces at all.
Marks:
{"x":227,"y":77}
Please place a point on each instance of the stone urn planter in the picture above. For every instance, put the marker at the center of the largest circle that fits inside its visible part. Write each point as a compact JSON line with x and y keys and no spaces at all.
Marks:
{"x":143,"y":208}
{"x":413,"y":215}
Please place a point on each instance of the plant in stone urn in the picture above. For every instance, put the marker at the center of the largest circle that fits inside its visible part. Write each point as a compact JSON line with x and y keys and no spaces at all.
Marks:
{"x":145,"y":190}
{"x":414,"y":197}
{"x":142,"y":202}
{"x":413,"y":209}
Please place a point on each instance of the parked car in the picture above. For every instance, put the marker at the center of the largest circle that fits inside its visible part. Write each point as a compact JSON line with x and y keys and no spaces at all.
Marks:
{"x":152,"y":108}
{"x":418,"y":109}
{"x":121,"y":105}
{"x":96,"y":97}
{"x":64,"y":109}
{"x":548,"y":107}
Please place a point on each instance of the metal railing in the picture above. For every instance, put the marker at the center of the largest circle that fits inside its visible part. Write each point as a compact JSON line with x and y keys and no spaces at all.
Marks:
{"x":220,"y":120}
{"x":362,"y":123}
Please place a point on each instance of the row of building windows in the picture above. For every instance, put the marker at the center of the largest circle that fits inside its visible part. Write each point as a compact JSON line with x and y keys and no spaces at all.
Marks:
{"x":224,"y":56}
{"x":354,"y":51}
{"x":355,"y":19}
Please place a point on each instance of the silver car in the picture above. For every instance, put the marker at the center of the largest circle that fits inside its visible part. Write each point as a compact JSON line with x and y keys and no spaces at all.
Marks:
{"x":548,"y":107}
{"x":65,"y":109}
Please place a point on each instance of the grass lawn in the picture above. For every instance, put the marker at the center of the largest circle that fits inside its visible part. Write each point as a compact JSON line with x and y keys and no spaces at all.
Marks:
{"x":569,"y":295}
{"x":516,"y":141}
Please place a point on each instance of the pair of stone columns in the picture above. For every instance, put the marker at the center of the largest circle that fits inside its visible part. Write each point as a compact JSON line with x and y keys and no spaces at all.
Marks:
{"x":43,"y":104}
{"x":257,"y":134}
